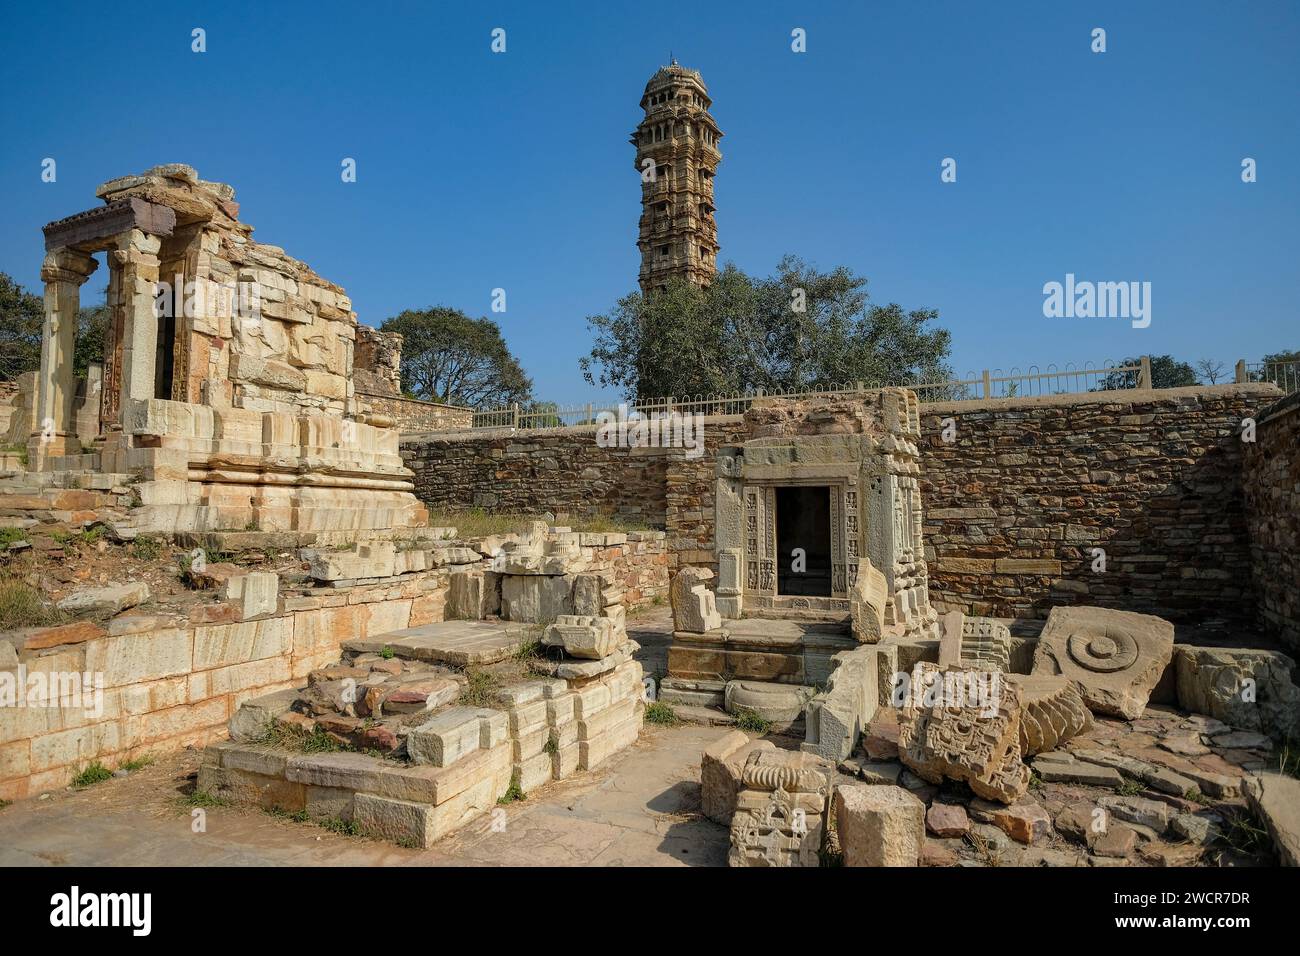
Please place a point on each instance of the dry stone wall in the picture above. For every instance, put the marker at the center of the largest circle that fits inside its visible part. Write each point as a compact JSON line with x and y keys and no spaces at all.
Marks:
{"x":1016,"y":502}
{"x":1273,"y":508}
{"x":556,"y":470}
{"x":1013,"y":504}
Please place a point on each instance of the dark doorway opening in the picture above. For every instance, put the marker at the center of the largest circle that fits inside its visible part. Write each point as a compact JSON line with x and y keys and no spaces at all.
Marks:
{"x":165,"y":356}
{"x":803,"y":520}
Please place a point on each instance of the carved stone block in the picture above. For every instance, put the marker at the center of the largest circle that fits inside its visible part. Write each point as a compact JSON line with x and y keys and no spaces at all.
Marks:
{"x":964,"y":725}
{"x":1115,"y":658}
{"x":694,"y":607}
{"x":985,"y":644}
{"x":780,"y":809}
{"x":867,"y":602}
{"x":1051,"y":712}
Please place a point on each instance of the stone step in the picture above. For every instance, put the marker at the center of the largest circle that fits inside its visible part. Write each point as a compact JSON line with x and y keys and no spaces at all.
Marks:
{"x":799,"y":614}
{"x":705,"y":716}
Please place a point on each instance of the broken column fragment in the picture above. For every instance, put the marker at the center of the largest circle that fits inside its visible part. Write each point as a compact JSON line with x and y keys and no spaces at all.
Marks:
{"x":780,"y":810}
{"x":867,"y":599}
{"x":879,"y":825}
{"x":590,"y":638}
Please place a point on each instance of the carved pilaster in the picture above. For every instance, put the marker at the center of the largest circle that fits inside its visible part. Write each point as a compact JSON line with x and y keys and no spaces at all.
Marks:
{"x":64,"y":272}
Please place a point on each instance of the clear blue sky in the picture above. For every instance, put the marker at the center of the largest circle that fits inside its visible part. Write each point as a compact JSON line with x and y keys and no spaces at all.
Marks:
{"x":478,"y":170}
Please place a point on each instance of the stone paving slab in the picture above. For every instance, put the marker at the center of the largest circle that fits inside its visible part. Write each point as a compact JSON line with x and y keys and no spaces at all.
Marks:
{"x":449,"y":642}
{"x":639,"y":809}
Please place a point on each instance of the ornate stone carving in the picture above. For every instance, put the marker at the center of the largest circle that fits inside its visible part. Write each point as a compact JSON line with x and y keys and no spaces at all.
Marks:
{"x":678,"y":141}
{"x":1115,"y":658}
{"x":1051,"y":712}
{"x":985,"y":644}
{"x":780,"y":809}
{"x":964,"y":725}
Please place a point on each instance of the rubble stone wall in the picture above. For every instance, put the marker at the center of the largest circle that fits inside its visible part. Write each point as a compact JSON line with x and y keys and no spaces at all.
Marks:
{"x":1272,"y":486}
{"x":412,"y":414}
{"x":1013,"y":505}
{"x":561,"y":470}
{"x":1016,"y":502}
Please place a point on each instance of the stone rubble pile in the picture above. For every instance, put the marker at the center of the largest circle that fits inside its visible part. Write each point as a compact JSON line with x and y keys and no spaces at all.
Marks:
{"x":428,"y":741}
{"x":1045,"y":768}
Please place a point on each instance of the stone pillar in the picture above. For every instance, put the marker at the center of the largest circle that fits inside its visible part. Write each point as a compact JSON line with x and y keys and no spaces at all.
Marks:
{"x":64,"y":272}
{"x":137,"y":259}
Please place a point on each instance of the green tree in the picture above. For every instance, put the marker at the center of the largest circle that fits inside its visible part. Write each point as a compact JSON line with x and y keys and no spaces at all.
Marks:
{"x":541,"y":415}
{"x":92,"y":324}
{"x":22,"y":322}
{"x":1166,"y":372}
{"x":22,"y":319}
{"x":449,"y":357}
{"x":796,"y":329}
{"x":1280,"y":368}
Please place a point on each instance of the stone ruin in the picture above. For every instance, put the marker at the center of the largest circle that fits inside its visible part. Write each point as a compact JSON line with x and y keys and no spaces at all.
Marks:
{"x":971,"y":721}
{"x":226,"y":398}
{"x":412,"y":744}
{"x":434,"y":676}
{"x":369,"y":668}
{"x":853,"y":655}
{"x":845,"y":474}
{"x":838,"y":481}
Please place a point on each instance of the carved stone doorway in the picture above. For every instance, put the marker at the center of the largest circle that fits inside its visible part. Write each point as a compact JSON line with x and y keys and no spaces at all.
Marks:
{"x":803,"y":536}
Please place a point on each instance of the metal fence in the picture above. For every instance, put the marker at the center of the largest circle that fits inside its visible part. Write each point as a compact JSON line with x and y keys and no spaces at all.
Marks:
{"x":1031,"y":381}
{"x":1285,"y":375}
{"x":990,"y":383}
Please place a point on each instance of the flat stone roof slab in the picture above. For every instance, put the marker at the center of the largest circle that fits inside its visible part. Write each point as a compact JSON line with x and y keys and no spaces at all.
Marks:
{"x":449,"y":642}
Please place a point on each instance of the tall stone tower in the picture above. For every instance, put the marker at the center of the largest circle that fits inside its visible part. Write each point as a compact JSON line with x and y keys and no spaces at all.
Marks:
{"x":678,"y":234}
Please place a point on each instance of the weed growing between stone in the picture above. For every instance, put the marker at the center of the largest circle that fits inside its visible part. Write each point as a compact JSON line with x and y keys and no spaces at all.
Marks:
{"x":750,"y":722}
{"x":94,"y":773}
{"x":21,"y":606}
{"x":514,"y":793}
{"x":658,"y":712}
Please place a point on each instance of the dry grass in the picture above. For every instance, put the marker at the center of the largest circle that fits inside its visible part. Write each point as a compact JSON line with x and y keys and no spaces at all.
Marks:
{"x":21,"y":605}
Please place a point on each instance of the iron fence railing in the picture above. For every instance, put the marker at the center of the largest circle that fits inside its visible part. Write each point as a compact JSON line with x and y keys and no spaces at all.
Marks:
{"x":1032,"y":380}
{"x":1285,"y":375}
{"x":1050,"y":379}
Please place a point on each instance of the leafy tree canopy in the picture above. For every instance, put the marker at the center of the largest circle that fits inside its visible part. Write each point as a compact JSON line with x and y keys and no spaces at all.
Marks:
{"x":1280,"y":368}
{"x":1166,"y":372}
{"x":796,"y":329}
{"x":92,"y":325}
{"x":22,"y":321}
{"x":22,"y":317}
{"x":449,"y":357}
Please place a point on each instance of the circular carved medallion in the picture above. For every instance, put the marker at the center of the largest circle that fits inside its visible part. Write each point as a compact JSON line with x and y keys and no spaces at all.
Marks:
{"x":1103,"y":650}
